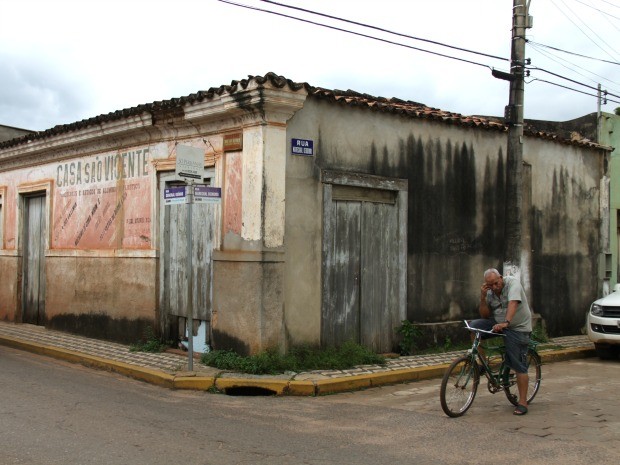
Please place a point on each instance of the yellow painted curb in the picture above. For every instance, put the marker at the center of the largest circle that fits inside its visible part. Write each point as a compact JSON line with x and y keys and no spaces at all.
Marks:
{"x":140,"y":373}
{"x":408,"y":374}
{"x":199,"y":383}
{"x":279,"y":386}
{"x":566,"y":354}
{"x":301,"y":388}
{"x":351,"y":383}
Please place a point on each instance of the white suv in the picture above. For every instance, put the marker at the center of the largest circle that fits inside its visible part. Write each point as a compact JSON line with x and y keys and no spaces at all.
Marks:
{"x":603,"y":324}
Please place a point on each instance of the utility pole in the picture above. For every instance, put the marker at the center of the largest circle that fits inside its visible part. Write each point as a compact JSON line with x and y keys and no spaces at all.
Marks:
{"x":514,"y":157}
{"x":600,"y":100}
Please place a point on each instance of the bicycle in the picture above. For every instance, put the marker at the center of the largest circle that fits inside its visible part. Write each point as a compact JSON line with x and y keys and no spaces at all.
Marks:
{"x":460,"y":382}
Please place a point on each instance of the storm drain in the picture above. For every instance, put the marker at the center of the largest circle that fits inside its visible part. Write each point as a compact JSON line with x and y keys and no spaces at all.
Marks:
{"x":249,"y":391}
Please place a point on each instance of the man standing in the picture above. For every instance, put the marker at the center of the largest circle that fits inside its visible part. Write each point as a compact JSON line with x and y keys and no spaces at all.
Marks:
{"x":504,"y":308}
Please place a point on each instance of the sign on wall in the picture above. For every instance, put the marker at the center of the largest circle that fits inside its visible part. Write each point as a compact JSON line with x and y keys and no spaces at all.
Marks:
{"x":103,"y":201}
{"x":302,"y":147}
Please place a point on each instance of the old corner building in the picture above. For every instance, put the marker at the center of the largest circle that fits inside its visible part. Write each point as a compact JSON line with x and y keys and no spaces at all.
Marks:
{"x":341,"y":215}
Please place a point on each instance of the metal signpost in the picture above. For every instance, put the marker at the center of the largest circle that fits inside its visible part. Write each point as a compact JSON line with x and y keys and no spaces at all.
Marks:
{"x":189,"y":167}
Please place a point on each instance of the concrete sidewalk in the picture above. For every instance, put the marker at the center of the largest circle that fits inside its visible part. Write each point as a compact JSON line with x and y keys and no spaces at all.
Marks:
{"x":170,"y":369}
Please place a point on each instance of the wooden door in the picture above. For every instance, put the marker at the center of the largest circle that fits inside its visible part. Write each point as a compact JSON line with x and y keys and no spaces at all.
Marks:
{"x":34,"y":233}
{"x":363,"y":268}
{"x":173,"y":256}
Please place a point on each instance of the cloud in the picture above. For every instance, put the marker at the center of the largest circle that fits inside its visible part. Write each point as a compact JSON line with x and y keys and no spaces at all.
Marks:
{"x":35,"y":94}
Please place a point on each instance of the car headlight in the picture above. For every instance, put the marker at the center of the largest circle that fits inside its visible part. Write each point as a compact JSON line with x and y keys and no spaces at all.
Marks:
{"x":596,"y":310}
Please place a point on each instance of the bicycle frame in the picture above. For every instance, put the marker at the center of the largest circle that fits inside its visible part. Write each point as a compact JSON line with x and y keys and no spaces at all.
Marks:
{"x":462,"y":378}
{"x":499,"y":379}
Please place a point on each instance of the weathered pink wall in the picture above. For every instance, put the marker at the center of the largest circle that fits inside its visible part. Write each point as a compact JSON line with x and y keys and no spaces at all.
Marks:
{"x":232,"y":213}
{"x":103,"y":202}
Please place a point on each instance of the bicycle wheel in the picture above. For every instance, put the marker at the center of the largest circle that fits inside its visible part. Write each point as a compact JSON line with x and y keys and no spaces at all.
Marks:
{"x":534,"y":373}
{"x":459,"y":386}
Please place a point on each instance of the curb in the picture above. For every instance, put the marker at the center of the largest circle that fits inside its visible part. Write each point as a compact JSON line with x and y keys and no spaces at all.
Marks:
{"x":279,"y":387}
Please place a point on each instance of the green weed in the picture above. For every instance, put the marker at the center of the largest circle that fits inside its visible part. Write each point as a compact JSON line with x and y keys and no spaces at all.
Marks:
{"x":296,"y":360}
{"x":149,"y":343}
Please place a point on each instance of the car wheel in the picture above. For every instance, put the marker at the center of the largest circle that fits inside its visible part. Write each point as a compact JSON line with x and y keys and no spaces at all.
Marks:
{"x":605,"y":352}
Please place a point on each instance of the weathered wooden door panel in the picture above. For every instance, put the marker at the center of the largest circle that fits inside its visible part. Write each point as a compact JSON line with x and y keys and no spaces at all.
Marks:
{"x":379,"y":271}
{"x":34,"y":232}
{"x":363,"y":291}
{"x":343,"y":313}
{"x":174,"y":257}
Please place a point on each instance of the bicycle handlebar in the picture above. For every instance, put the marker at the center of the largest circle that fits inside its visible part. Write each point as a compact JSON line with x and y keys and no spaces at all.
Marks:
{"x":476,"y":330}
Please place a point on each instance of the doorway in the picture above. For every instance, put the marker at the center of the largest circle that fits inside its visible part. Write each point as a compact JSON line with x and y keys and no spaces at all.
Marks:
{"x":34,"y":234}
{"x":364,"y":267}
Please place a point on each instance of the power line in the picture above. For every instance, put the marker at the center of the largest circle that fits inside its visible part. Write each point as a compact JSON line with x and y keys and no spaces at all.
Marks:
{"x":582,"y":31}
{"x":570,"y":88}
{"x":549,"y":56}
{"x":609,"y":3}
{"x":571,"y":53}
{"x":391,"y":42}
{"x":376,"y":28}
{"x":597,"y":9}
{"x":568,"y":79}
{"x":249,"y":7}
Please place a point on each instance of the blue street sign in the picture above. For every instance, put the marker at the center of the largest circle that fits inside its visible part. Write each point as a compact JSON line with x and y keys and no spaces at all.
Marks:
{"x":302,"y":147}
{"x":207,"y":194}
{"x":174,"y":195}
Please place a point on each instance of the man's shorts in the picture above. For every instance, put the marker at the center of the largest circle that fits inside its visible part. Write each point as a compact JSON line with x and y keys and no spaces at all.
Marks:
{"x":516,"y":343}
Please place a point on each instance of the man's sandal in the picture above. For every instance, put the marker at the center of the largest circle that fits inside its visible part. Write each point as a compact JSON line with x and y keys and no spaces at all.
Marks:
{"x":520,"y":410}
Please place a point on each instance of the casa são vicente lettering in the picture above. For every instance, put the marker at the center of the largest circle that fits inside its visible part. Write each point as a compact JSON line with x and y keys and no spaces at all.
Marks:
{"x":131,"y":164}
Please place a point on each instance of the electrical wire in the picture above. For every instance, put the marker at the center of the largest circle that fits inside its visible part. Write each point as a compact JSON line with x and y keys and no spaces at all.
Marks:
{"x":549,"y":56}
{"x":582,"y":31}
{"x":249,"y":7}
{"x":571,"y":89}
{"x":600,"y":11}
{"x":254,"y":8}
{"x":568,"y":79}
{"x":609,"y":3}
{"x":369,"y":26}
{"x":571,"y":53}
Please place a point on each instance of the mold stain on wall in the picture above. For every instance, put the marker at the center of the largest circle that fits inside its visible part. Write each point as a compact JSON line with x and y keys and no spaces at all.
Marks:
{"x":455,"y":225}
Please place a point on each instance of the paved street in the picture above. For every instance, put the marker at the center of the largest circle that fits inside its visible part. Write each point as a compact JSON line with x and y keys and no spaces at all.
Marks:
{"x":577,"y":401}
{"x":52,"y":412}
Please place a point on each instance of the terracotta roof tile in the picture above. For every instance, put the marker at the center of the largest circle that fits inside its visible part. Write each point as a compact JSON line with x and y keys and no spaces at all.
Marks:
{"x":349,"y":97}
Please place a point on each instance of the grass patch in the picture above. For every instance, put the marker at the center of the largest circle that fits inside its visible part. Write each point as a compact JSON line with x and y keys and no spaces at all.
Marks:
{"x":297,"y":359}
{"x":149,"y":343}
{"x":539,"y":333}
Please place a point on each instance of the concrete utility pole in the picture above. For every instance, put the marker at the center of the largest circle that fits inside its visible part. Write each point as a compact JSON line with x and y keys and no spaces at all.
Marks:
{"x":514,"y":157}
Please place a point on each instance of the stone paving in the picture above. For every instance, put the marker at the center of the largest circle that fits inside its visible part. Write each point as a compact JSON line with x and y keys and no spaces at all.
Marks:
{"x":175,"y":363}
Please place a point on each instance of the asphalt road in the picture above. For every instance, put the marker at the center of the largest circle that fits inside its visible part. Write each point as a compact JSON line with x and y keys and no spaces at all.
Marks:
{"x":52,"y":412}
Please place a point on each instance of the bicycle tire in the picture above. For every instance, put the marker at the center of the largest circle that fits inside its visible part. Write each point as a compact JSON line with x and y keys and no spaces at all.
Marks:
{"x":459,"y":386}
{"x":534,"y":372}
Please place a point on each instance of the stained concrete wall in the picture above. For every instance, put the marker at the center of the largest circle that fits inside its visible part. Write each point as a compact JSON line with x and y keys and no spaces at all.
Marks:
{"x":456,"y":177}
{"x":9,"y":284}
{"x":105,"y":297}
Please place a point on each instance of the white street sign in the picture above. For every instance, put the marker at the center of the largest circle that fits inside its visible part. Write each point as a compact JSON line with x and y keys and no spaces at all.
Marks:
{"x":190,"y":163}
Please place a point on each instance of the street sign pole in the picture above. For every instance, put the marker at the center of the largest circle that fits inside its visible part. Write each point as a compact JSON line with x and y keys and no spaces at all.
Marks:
{"x":189,"y":322}
{"x":190,"y":167}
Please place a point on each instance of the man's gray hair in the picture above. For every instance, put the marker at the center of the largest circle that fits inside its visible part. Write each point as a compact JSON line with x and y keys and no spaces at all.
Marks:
{"x":491,"y":271}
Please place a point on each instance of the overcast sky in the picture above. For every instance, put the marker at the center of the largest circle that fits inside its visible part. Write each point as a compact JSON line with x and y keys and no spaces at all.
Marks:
{"x":62,"y":61}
